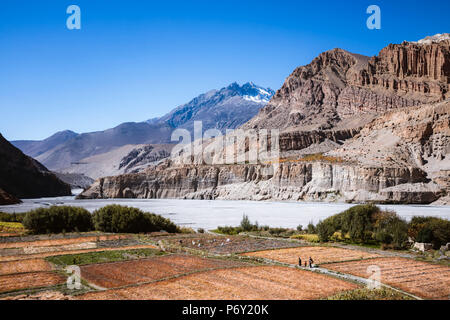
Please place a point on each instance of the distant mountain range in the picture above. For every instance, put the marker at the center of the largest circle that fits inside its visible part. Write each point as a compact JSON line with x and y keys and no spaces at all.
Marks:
{"x":227,"y":108}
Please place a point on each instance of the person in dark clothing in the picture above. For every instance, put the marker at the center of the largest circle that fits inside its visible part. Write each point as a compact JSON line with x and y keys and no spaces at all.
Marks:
{"x":311,"y":261}
{"x":306,"y":263}
{"x":300,"y":261}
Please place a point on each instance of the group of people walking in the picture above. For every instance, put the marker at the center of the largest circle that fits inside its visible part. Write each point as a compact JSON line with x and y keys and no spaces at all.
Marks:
{"x":309,"y":263}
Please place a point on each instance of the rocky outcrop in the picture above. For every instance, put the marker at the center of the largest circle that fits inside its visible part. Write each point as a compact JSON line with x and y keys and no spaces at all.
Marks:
{"x":291,"y":181}
{"x":24,"y":177}
{"x":7,"y":199}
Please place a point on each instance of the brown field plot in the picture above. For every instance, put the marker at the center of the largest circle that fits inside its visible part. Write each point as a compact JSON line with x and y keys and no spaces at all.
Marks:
{"x":318,"y":254}
{"x":245,"y":283}
{"x":422,"y":279}
{"x":29,"y":280}
{"x":230,"y":244}
{"x":59,"y":242}
{"x":117,"y":274}
{"x":31,"y":265}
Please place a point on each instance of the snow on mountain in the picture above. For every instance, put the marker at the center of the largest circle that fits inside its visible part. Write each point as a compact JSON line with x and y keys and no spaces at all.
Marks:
{"x":434,"y":39}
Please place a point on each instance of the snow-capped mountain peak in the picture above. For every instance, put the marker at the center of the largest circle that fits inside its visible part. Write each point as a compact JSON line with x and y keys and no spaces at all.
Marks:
{"x":434,"y":39}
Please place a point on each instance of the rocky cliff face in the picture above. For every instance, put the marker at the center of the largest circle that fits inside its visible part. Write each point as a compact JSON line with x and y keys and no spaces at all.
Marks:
{"x":381,"y":125}
{"x":24,"y":177}
{"x":338,"y":85}
{"x":313,"y":181}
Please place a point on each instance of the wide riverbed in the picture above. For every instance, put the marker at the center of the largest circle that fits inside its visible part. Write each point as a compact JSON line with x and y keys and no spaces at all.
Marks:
{"x":210,"y":214}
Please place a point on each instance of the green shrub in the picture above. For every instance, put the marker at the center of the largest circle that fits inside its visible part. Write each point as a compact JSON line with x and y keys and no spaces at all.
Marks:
{"x":365,"y":224}
{"x":246,"y":225}
{"x":11,"y":217}
{"x":119,"y":219}
{"x":357,"y":222}
{"x":325,"y":229}
{"x":230,"y":230}
{"x":201,"y":230}
{"x":311,"y":229}
{"x":58,"y":219}
{"x":430,"y":230}
{"x":390,"y":229}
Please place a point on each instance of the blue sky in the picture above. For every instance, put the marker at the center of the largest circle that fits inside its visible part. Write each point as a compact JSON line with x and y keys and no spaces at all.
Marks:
{"x":133,"y":60}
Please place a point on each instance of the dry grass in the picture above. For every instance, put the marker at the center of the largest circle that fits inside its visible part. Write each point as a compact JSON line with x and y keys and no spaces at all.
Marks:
{"x":29,"y":280}
{"x":110,"y":275}
{"x":318,"y":254}
{"x":419,"y":278}
{"x":249,"y":283}
{"x":31,"y":265}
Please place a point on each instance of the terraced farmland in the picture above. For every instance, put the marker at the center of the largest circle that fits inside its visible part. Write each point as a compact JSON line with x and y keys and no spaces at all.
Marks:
{"x":419,"y":278}
{"x":245,"y":283}
{"x":110,"y":275}
{"x":318,"y":254}
{"x":230,"y":244}
{"x":21,"y":266}
{"x":14,"y":282}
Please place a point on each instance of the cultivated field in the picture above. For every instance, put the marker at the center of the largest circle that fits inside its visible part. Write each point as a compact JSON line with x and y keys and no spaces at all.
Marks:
{"x":110,"y":275}
{"x":17,"y":243}
{"x":419,"y":278}
{"x":29,"y":280}
{"x":230,"y":244}
{"x":21,"y":266}
{"x":117,"y":264}
{"x":248,"y":283}
{"x":32,"y":247}
{"x":318,"y":254}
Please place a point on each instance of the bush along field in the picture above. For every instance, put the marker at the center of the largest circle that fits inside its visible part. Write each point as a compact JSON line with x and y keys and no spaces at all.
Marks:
{"x":365,"y":225}
{"x":66,"y":219}
{"x":369,"y":225}
{"x":249,"y":228}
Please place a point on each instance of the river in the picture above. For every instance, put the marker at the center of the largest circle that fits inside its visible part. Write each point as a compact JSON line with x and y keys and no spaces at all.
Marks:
{"x":210,"y":214}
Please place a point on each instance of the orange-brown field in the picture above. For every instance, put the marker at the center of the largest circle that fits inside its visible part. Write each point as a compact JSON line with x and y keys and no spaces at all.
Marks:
{"x":117,"y":274}
{"x":248,"y":283}
{"x":48,"y":248}
{"x":419,"y":278}
{"x":318,"y":254}
{"x":60,"y":242}
{"x":229,"y":244}
{"x":29,"y":280}
{"x":21,"y":266}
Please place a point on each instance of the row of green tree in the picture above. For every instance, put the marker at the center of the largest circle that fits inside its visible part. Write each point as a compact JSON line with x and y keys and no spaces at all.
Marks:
{"x":369,"y":224}
{"x":112,"y":218}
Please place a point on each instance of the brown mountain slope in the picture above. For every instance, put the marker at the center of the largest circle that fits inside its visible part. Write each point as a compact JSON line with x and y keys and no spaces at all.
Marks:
{"x":24,"y":177}
{"x":340,"y":89}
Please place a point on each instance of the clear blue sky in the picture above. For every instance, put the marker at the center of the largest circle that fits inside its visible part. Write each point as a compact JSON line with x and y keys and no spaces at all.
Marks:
{"x":134,"y":60}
